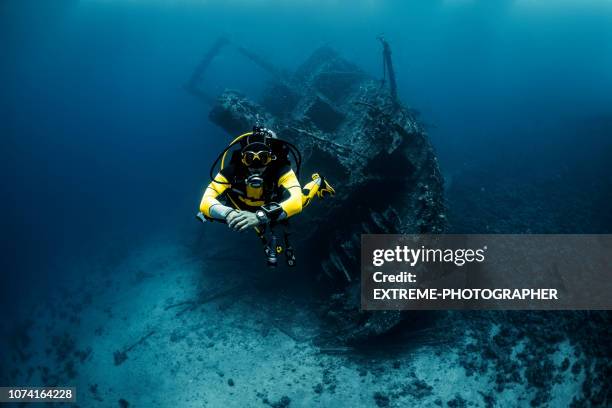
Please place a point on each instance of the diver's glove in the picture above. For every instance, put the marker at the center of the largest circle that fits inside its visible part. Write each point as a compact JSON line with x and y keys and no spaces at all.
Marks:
{"x":230,"y":215}
{"x":242,"y":220}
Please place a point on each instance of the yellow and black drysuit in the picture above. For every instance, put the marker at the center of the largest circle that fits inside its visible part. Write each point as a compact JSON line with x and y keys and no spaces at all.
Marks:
{"x":259,"y":179}
{"x":230,"y":190}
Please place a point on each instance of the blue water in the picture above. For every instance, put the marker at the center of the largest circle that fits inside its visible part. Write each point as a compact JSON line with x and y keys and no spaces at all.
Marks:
{"x":101,"y":144}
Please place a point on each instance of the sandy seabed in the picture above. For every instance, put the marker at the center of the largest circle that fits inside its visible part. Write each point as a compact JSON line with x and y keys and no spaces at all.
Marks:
{"x":166,"y":328}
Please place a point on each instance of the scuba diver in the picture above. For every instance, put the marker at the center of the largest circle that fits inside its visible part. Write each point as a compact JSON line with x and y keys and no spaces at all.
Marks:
{"x":259,"y":189}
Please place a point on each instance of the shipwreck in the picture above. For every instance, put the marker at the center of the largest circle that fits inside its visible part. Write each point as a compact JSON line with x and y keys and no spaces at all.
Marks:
{"x":353,"y":128}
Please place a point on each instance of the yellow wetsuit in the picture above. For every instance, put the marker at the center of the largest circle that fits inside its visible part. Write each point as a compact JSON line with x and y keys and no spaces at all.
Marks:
{"x":250,"y":199}
{"x":244,"y":197}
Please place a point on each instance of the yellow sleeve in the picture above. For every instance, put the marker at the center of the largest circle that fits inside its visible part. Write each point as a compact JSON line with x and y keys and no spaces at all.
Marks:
{"x":293,"y":204}
{"x":213,"y":191}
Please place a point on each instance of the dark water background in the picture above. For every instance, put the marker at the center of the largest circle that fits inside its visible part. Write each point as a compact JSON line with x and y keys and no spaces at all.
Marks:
{"x":100,"y":144}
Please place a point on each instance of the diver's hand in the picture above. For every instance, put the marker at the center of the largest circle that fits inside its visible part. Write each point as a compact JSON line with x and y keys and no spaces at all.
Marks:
{"x":230,"y":216}
{"x":242,"y":221}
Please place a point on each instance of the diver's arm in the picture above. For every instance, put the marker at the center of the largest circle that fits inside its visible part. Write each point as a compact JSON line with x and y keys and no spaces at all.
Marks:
{"x":220,"y":211}
{"x":210,"y":206}
{"x":293,"y":204}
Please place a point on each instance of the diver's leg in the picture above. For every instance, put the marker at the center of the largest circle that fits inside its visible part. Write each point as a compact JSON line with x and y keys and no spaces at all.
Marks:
{"x":269,"y":245}
{"x":270,"y":249}
{"x":261,"y":234}
{"x":289,"y":251}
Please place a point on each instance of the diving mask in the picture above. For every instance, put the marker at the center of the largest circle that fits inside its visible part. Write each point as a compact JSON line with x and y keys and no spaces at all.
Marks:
{"x":262,"y":158}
